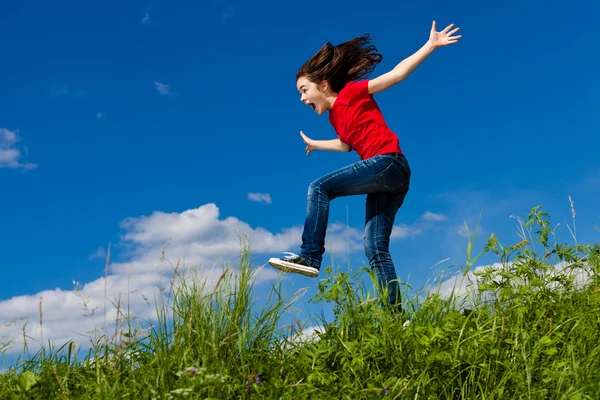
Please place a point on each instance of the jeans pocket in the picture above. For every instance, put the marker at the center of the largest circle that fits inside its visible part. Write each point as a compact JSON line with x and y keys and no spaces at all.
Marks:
{"x":395,"y":177}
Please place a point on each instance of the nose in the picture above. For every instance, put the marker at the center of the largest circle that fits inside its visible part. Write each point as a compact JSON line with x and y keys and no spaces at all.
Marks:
{"x":302,"y":98}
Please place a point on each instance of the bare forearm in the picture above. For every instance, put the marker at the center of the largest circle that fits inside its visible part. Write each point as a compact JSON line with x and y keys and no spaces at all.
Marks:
{"x":331,"y":145}
{"x":408,"y":65}
{"x":402,"y":70}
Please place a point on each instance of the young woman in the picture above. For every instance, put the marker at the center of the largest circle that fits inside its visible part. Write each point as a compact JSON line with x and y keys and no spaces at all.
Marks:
{"x":330,"y":81}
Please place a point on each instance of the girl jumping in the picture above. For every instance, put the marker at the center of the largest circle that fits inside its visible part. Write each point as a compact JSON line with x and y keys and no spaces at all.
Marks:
{"x":330,"y":81}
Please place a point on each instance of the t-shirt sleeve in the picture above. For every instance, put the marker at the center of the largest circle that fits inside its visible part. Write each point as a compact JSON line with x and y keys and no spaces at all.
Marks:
{"x":357,"y":88}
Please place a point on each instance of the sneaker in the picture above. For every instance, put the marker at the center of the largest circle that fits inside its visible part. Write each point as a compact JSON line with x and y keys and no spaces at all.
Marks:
{"x":294,"y":263}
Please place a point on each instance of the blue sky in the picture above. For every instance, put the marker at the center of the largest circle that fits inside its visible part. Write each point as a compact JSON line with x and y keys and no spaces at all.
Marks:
{"x":132,"y":123}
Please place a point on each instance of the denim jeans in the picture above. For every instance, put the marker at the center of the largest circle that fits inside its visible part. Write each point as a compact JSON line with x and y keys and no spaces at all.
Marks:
{"x":385,"y":180}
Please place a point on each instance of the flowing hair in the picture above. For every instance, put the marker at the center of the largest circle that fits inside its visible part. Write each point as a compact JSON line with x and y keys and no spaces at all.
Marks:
{"x":338,"y":65}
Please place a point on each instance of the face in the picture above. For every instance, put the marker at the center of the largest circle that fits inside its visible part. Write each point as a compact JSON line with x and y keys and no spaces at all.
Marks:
{"x":313,"y":95}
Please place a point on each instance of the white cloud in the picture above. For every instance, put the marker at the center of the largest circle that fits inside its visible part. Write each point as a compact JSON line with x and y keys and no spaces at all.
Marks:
{"x":10,"y":154}
{"x":433,"y":217}
{"x":403,"y":231}
{"x":99,"y":253}
{"x":146,"y":19}
{"x":197,"y":234}
{"x":426,"y":221}
{"x":260,"y":197}
{"x":77,"y":314}
{"x":162,"y":88}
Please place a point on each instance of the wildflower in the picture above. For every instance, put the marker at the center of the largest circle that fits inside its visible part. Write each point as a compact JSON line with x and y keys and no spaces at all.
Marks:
{"x":191,"y":370}
{"x":387,"y":390}
{"x":257,"y":379}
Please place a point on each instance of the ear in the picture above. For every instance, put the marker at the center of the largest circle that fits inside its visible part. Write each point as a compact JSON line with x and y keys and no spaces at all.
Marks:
{"x":324,"y":86}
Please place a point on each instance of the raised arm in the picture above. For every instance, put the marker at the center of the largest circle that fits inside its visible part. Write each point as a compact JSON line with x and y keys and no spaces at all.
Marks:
{"x":406,"y":66}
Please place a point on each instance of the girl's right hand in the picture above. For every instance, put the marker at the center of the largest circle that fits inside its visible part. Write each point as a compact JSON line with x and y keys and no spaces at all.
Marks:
{"x":310,"y":144}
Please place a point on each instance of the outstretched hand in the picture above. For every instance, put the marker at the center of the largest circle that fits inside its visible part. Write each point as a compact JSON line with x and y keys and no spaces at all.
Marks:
{"x":443,"y":38}
{"x":310,"y":144}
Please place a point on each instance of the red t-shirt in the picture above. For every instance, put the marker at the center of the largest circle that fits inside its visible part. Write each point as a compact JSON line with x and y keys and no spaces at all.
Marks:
{"x":358,"y":121}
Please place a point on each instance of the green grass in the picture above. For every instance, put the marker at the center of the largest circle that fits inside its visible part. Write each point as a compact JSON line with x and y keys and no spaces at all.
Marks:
{"x":529,"y":329}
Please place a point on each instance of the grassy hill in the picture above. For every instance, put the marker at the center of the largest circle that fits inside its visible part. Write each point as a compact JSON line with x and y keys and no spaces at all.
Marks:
{"x":528,"y":327}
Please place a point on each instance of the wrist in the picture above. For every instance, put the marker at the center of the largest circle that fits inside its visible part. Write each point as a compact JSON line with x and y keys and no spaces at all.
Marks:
{"x":430,"y":46}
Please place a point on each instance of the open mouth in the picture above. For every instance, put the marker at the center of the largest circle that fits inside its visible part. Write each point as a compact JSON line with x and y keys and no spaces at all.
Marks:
{"x":312,"y":105}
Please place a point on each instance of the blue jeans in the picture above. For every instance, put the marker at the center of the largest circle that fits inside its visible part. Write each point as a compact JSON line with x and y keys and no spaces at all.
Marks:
{"x":385,"y":180}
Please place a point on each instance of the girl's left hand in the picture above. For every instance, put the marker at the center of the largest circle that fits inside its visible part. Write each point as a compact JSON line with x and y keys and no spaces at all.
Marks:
{"x":443,"y":38}
{"x":310,"y":144}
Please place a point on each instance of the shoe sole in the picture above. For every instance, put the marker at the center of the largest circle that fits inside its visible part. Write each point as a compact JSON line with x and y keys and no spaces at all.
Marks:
{"x":291,"y":267}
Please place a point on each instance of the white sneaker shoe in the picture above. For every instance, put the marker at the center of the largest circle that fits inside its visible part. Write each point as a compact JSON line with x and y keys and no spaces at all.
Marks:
{"x":294,"y":263}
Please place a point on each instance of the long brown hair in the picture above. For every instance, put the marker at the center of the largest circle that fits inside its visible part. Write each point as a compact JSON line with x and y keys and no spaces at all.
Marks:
{"x":338,"y":65}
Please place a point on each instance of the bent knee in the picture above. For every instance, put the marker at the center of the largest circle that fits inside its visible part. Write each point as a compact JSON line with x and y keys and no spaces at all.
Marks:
{"x":315,"y":187}
{"x":320,"y":188}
